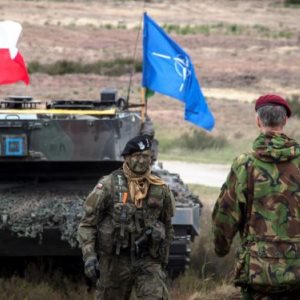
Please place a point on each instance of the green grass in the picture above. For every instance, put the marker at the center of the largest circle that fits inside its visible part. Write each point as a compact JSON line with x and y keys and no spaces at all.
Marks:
{"x":222,"y":28}
{"x":197,"y":140}
{"x":115,"y":67}
{"x":294,"y":103}
{"x":209,"y":276}
{"x":206,"y":194}
{"x":17,"y":288}
{"x":204,"y":280}
{"x":168,"y":150}
{"x":201,"y":140}
{"x":292,"y":3}
{"x":112,"y":26}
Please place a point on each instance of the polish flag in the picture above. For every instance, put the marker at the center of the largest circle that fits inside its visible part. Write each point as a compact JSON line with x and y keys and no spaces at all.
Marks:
{"x":12,"y":66}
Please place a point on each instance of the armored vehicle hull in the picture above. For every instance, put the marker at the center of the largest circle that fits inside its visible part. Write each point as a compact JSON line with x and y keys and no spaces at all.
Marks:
{"x":50,"y":159}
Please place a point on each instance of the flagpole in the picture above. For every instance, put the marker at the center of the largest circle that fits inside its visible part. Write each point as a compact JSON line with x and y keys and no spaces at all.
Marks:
{"x":143,"y":104}
{"x":159,"y":50}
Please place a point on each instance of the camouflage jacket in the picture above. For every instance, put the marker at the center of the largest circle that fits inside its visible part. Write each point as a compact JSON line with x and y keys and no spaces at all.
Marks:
{"x":101,"y":228}
{"x":261,"y":200}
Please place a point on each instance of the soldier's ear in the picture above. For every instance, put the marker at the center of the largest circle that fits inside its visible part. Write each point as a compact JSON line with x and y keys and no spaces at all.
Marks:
{"x":284,"y":121}
{"x":258,"y":121}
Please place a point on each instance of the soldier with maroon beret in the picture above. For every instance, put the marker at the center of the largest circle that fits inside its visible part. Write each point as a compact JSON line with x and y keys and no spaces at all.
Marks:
{"x":261,"y":200}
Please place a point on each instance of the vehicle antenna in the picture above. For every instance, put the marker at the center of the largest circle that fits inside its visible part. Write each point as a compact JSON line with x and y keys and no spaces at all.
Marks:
{"x":134,"y":54}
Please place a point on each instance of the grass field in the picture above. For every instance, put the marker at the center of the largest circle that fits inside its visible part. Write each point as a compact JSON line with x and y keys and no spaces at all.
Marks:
{"x":203,"y":281}
{"x":240,"y":50}
{"x":171,"y":146}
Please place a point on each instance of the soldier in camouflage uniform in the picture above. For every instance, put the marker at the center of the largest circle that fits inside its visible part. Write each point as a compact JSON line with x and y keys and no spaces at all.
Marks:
{"x":126,"y":230}
{"x":261,"y":200}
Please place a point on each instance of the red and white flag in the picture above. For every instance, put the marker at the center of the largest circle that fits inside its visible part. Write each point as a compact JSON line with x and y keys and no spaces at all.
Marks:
{"x":12,"y":65}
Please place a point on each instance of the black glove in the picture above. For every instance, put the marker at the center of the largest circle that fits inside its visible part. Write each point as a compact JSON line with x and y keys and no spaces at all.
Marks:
{"x":91,"y":268}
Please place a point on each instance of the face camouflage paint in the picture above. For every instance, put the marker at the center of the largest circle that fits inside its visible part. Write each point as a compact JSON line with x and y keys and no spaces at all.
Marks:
{"x":139,"y":162}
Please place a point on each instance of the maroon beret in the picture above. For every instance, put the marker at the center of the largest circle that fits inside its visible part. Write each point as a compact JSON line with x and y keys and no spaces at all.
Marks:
{"x":275,"y":100}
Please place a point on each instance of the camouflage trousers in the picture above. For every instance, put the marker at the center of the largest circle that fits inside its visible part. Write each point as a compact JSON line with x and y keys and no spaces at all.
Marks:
{"x":248,"y":294}
{"x":122,"y":279}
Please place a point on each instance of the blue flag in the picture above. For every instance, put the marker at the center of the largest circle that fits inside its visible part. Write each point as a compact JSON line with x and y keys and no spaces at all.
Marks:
{"x":168,"y":70}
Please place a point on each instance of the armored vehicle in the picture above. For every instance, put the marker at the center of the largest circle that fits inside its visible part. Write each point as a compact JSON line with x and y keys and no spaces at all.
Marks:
{"x":52,"y":154}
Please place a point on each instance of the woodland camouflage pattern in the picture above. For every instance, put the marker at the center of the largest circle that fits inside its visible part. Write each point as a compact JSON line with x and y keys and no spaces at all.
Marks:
{"x":100,"y":232}
{"x":269,"y":257}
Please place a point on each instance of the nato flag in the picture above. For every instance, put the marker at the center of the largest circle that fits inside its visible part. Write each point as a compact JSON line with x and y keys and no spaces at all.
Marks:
{"x":168,"y":70}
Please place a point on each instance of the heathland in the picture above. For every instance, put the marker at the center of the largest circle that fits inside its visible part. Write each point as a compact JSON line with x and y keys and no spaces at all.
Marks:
{"x":240,"y":50}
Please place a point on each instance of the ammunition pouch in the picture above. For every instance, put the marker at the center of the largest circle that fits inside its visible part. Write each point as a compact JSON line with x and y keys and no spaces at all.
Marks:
{"x":136,"y":230}
{"x":142,"y":242}
{"x":124,"y":225}
{"x":151,"y":240}
{"x":158,"y":232}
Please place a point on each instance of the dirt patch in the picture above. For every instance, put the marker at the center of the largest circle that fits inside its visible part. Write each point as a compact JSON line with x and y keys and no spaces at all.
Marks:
{"x":235,"y":67}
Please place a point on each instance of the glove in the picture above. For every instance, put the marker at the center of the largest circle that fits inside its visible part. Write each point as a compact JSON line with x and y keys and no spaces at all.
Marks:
{"x":91,"y":268}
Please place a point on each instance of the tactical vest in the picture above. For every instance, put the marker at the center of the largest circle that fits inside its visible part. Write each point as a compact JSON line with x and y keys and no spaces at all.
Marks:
{"x":126,"y":226}
{"x":269,"y":259}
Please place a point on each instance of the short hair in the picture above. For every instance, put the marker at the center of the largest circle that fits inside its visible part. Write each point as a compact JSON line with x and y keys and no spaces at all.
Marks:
{"x":272,"y":115}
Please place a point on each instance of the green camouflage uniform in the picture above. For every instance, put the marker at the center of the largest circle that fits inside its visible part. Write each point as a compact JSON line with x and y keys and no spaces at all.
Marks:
{"x":104,"y":233}
{"x":268,"y":260}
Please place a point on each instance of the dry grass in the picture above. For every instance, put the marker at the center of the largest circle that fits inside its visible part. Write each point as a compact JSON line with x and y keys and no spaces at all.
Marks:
{"x":209,"y":277}
{"x":16,"y":288}
{"x":231,"y":68}
{"x":224,"y":291}
{"x":204,"y":280}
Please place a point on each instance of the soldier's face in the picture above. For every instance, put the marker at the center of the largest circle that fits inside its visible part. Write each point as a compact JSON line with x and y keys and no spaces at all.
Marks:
{"x":139,"y":162}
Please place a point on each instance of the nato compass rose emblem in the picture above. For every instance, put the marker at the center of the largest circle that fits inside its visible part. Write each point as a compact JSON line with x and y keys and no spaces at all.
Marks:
{"x":181,"y":64}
